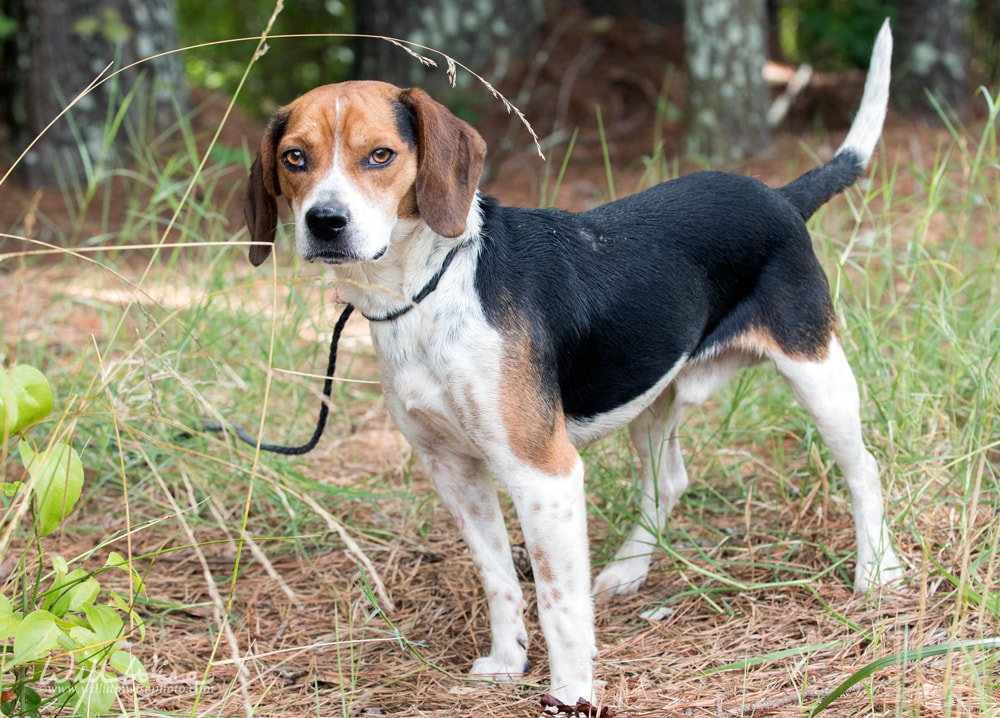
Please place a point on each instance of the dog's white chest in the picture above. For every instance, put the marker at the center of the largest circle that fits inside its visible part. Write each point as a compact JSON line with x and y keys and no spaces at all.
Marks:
{"x":415,"y":387}
{"x":439,"y":378}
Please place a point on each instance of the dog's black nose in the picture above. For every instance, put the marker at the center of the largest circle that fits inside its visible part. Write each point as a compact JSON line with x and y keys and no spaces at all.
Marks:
{"x":326,"y":222}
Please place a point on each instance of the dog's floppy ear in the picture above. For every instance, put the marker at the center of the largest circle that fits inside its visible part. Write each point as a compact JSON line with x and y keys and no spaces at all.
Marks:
{"x":449,"y":162}
{"x":260,"y":206}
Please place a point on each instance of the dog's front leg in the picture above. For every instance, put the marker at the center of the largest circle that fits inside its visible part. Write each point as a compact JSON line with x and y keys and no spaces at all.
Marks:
{"x":553,"y":514}
{"x":469,"y":493}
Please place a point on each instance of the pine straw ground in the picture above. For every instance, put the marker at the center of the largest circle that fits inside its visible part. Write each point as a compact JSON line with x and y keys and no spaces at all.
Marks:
{"x":311,"y":643}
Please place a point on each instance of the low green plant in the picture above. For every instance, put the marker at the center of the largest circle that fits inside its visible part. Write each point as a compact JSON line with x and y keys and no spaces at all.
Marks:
{"x":61,"y":627}
{"x":25,"y":397}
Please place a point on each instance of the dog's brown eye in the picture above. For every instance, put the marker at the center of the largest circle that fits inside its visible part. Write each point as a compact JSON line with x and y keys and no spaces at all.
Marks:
{"x":294,"y":159}
{"x":382,"y":156}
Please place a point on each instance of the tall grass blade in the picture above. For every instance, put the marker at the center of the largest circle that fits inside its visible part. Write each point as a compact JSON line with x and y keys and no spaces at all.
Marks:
{"x":901,"y":659}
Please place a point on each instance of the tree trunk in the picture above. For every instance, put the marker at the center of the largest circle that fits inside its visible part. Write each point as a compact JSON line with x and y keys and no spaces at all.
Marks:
{"x":485,"y":35}
{"x":660,"y":12}
{"x":62,"y":45}
{"x":933,"y":57}
{"x":727,"y":97}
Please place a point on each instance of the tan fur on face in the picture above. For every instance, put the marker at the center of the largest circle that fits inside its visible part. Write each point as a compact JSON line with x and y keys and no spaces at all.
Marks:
{"x":345,"y":123}
{"x":433,"y":176}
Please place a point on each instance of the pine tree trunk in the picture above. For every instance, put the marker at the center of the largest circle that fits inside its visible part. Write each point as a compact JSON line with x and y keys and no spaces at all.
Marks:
{"x":485,"y":35}
{"x":62,"y":45}
{"x":727,"y":97}
{"x":934,"y":57}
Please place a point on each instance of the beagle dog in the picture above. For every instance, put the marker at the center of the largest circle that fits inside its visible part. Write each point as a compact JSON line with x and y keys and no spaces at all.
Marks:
{"x":510,"y":338}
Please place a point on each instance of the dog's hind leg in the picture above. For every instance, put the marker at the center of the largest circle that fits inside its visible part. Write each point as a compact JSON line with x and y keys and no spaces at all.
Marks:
{"x":664,"y":478}
{"x":654,"y":434}
{"x":827,"y":389}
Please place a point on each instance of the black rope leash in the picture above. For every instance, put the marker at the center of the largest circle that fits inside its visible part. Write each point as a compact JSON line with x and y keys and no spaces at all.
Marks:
{"x":324,"y":407}
{"x":331,"y":366}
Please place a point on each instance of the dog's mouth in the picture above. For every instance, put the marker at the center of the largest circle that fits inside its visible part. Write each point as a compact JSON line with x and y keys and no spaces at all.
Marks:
{"x":329,"y":257}
{"x":333,"y":256}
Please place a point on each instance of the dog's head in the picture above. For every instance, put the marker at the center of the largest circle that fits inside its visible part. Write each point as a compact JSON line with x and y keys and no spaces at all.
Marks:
{"x":355,"y":158}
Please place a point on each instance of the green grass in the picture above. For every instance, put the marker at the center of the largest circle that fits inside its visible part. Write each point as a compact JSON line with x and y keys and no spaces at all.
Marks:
{"x":912,"y":258}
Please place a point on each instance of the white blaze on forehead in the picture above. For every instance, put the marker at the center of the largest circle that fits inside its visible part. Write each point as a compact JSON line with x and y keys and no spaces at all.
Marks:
{"x":337,"y":134}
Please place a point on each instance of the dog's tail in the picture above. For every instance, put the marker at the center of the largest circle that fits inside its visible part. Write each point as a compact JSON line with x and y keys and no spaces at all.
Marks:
{"x":815,"y":188}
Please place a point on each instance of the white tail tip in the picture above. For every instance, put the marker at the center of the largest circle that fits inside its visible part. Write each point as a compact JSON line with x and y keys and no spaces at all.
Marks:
{"x":867,"y":126}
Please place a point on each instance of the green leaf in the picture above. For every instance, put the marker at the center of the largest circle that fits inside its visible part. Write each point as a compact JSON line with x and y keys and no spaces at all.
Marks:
{"x":66,"y":640}
{"x":86,"y":26}
{"x":96,"y":694}
{"x":73,"y":592}
{"x":8,"y":627}
{"x":119,"y":561}
{"x":65,"y":690}
{"x":106,"y":622}
{"x":29,"y":701}
{"x":25,"y":397}
{"x":126,"y":608}
{"x":83,"y":637}
{"x":32,"y":393}
{"x":130,"y":667}
{"x":37,"y":635}
{"x":9,"y":620}
{"x":58,"y":480}
{"x":8,"y":406}
{"x":10,"y":489}
{"x":8,"y":27}
{"x":83,"y":593}
{"x":32,"y":701}
{"x":70,"y":591}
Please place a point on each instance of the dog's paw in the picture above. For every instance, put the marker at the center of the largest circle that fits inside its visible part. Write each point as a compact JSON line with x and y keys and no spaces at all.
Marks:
{"x":623,"y":577}
{"x":499,"y":668}
{"x":887,"y":571}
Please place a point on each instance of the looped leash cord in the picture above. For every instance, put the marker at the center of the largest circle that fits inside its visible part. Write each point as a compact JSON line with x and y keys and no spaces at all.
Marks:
{"x":324,"y":407}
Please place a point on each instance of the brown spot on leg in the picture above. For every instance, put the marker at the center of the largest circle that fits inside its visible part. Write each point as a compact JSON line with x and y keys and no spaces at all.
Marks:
{"x":541,"y":565}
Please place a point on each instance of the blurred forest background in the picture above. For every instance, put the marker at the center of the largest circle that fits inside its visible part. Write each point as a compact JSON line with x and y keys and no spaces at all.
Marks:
{"x":722,"y":73}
